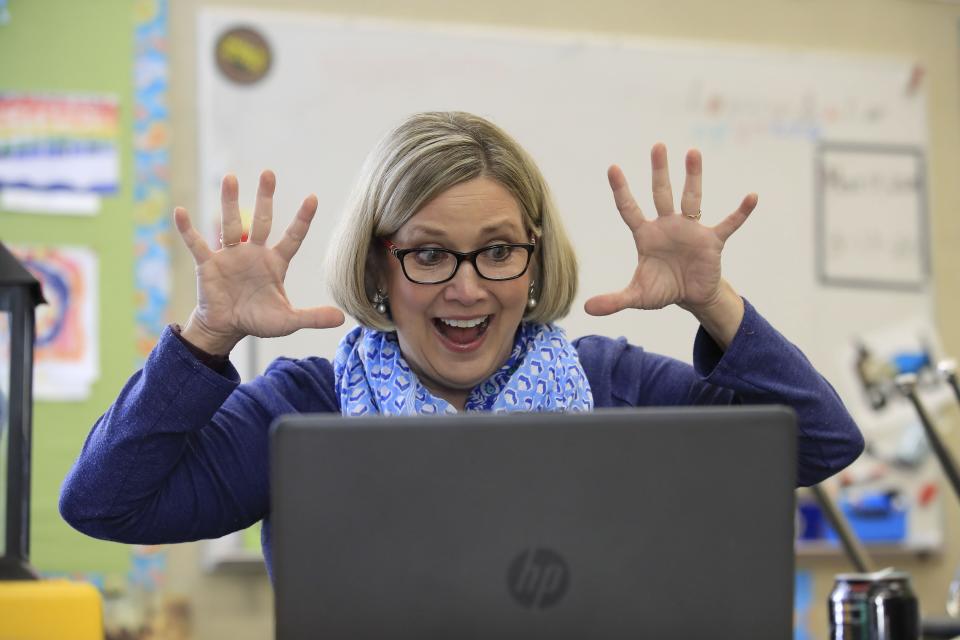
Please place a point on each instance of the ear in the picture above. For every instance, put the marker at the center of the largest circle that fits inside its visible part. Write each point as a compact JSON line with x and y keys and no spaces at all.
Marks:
{"x":375,"y":269}
{"x":534,"y":269}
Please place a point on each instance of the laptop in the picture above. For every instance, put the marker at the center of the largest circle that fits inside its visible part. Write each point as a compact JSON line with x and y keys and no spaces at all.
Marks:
{"x":642,"y":523}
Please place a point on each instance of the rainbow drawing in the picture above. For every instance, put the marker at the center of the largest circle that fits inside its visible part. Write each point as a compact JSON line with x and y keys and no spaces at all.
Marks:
{"x":59,"y":142}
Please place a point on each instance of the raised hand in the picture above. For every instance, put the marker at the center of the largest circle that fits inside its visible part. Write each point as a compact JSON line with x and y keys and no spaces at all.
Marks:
{"x":240,"y":286}
{"x":678,"y":259}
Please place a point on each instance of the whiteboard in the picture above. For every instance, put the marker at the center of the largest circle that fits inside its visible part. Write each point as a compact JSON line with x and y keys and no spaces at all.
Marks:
{"x":871,"y":216}
{"x":578,"y":103}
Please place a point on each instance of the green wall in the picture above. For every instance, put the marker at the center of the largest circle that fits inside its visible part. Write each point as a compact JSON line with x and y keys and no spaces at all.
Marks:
{"x":66,"y":45}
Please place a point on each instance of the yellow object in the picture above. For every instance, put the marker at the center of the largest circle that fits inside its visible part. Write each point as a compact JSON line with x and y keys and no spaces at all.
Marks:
{"x":50,"y":610}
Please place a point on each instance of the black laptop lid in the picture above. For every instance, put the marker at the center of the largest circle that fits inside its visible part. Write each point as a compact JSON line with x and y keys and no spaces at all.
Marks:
{"x":650,"y":523}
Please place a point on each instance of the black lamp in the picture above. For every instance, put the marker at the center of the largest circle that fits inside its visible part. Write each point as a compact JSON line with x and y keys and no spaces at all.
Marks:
{"x":19,"y":295}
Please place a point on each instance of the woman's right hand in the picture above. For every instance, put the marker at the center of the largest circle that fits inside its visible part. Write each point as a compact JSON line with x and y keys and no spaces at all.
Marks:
{"x":240,"y":286}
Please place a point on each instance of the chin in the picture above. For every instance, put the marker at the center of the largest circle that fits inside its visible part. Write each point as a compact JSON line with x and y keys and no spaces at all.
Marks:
{"x":462,"y":381}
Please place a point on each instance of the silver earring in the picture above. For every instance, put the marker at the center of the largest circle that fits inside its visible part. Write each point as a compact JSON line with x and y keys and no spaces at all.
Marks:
{"x":380,"y":302}
{"x":531,"y":299}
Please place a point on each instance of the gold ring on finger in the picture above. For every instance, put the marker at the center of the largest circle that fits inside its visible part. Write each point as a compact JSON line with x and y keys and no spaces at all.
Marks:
{"x":693,"y":216}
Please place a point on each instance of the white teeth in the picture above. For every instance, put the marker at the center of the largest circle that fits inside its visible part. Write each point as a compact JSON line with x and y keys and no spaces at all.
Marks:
{"x":464,"y":324}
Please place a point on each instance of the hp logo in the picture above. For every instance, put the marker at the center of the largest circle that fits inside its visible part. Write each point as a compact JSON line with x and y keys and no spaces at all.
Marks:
{"x":538,"y":578}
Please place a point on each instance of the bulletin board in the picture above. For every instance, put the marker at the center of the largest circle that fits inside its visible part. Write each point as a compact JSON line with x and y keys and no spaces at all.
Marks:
{"x":835,"y":146}
{"x":62,"y":48}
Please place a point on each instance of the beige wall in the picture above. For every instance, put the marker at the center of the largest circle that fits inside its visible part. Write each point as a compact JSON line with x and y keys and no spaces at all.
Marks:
{"x":921,"y":30}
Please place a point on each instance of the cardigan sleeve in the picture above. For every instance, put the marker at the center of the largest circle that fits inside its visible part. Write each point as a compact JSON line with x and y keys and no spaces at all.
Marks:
{"x":182,"y":454}
{"x":760,"y":366}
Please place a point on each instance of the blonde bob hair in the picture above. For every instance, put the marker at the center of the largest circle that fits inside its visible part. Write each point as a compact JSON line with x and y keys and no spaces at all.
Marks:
{"x":423,"y":157}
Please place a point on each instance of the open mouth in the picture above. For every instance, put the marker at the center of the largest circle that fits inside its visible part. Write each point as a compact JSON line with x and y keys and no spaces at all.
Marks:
{"x":462,"y":332}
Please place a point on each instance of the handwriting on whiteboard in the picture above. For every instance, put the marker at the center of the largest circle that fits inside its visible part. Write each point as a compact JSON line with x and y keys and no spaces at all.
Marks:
{"x":871,"y":216}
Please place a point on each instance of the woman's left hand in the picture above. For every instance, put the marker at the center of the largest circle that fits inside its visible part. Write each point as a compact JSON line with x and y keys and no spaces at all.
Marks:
{"x":678,"y":258}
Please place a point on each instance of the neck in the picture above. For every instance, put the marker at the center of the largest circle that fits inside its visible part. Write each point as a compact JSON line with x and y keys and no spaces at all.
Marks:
{"x":456,"y":397}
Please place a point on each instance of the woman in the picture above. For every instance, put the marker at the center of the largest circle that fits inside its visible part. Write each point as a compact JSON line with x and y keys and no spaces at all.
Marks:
{"x":454,"y":262}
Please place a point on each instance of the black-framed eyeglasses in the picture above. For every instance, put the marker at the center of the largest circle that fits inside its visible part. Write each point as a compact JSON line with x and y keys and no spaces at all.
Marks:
{"x":433,"y":265}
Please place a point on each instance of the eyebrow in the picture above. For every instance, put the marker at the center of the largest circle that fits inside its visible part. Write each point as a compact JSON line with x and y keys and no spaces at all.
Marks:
{"x":488,"y":229}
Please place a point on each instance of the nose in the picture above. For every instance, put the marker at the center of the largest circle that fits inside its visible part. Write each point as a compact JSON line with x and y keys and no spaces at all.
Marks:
{"x":466,"y":287}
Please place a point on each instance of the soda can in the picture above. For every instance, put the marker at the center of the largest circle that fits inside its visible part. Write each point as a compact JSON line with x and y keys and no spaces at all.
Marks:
{"x":873,"y":606}
{"x":894,"y":607}
{"x":849,"y":607}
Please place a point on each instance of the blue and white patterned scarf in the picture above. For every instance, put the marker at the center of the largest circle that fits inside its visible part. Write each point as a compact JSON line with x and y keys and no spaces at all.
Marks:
{"x":543,"y":373}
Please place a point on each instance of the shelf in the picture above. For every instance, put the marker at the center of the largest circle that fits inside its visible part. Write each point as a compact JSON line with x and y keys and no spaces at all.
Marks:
{"x":825,"y":549}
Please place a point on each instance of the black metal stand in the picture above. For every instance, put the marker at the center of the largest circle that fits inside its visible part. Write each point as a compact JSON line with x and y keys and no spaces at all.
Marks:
{"x":907,"y":383}
{"x":948,"y":369}
{"x":938,"y":628}
{"x":16,"y":569}
{"x":851,"y":545}
{"x":16,"y":549}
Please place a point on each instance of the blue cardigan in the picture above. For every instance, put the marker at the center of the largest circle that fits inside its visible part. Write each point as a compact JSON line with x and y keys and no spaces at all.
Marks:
{"x":182,"y":454}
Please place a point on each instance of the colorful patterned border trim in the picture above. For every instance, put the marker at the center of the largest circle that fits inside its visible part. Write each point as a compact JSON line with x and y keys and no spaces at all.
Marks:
{"x":151,"y":189}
